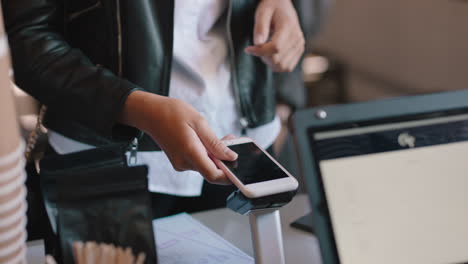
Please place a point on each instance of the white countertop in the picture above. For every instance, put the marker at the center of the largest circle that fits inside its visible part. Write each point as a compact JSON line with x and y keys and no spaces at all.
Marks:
{"x":300,"y":247}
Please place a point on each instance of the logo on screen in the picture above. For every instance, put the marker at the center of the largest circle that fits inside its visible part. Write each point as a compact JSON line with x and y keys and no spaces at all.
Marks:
{"x":406,"y":140}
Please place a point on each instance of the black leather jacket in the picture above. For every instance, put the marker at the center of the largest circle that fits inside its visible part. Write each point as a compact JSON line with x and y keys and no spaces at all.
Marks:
{"x":82,"y":58}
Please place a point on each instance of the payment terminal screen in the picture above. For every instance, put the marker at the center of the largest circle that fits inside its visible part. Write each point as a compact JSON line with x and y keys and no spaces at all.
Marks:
{"x":398,"y":193}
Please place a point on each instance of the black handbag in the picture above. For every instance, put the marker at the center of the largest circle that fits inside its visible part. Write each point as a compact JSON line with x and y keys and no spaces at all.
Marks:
{"x":93,"y":195}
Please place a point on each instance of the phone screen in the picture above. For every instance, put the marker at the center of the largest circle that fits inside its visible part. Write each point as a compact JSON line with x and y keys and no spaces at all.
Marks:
{"x":252,"y":165}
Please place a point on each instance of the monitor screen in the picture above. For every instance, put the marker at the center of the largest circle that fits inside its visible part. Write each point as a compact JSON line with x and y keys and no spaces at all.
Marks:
{"x":397,"y":192}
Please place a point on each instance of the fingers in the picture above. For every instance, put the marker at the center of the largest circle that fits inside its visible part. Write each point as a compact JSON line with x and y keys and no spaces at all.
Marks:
{"x":289,"y":63}
{"x":213,"y":145}
{"x":212,"y":173}
{"x":281,"y":52}
{"x":195,"y":157}
{"x":215,"y":149}
{"x":228,"y":137}
{"x":202,"y":162}
{"x":263,"y":17}
{"x":269,"y":49}
{"x":206,"y":166}
{"x":264,"y":50}
{"x":279,"y":43}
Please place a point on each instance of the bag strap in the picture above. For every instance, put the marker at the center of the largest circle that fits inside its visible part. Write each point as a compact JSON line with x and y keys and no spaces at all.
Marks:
{"x":35,"y":134}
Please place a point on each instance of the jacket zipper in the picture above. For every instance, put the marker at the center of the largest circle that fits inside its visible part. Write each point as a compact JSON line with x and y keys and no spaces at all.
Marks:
{"x":86,"y":10}
{"x":243,"y":121}
{"x":119,"y":37}
{"x":133,"y":147}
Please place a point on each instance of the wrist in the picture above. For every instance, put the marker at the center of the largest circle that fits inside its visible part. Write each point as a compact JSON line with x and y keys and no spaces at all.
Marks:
{"x":138,"y":108}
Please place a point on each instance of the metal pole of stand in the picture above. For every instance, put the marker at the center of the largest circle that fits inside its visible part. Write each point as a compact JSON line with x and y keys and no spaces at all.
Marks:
{"x":267,"y":239}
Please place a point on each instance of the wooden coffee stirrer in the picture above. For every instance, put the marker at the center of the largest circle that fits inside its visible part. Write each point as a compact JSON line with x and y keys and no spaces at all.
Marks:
{"x":94,"y":253}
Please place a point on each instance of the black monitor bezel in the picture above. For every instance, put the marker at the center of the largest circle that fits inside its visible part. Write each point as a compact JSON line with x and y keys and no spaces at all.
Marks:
{"x":419,"y":108}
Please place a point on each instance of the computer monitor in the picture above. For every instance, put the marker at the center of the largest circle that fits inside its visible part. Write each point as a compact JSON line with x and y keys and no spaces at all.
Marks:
{"x":388,"y":180}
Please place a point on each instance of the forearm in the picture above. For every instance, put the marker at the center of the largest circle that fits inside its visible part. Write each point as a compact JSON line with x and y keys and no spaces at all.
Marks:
{"x":56,"y":74}
{"x":140,"y":107}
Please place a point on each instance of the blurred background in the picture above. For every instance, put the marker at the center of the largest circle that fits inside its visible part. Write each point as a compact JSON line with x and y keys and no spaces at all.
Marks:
{"x":377,"y":49}
{"x":364,"y":50}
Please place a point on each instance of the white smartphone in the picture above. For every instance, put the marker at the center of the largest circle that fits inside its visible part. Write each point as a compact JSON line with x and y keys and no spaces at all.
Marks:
{"x":255,"y":172}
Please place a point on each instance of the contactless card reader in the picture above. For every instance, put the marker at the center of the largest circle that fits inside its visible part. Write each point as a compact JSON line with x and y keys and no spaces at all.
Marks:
{"x":265,"y":223}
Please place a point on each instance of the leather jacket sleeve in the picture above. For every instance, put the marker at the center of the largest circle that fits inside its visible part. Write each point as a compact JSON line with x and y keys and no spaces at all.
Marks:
{"x":56,"y":74}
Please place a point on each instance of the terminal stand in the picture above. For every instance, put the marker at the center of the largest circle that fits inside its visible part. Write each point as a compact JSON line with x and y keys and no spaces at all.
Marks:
{"x":265,"y":223}
{"x":267,"y":238}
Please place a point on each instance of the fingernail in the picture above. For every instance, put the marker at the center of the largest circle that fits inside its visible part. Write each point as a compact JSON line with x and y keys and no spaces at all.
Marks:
{"x":250,"y":51}
{"x":259,"y":39}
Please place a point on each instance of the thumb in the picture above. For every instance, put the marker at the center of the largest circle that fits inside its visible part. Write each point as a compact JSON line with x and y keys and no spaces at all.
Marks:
{"x":263,"y":17}
{"x":213,"y":145}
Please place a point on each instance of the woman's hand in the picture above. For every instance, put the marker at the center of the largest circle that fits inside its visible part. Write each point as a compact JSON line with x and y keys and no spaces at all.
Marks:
{"x":181,"y":132}
{"x":278,"y":37}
